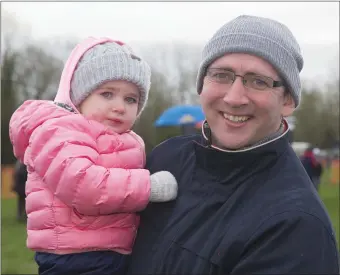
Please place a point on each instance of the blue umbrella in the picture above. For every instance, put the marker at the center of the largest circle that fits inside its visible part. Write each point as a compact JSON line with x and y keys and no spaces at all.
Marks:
{"x":180,"y":115}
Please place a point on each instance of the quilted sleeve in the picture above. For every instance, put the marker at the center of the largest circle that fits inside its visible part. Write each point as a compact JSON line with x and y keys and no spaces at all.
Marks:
{"x":65,"y":156}
{"x":29,"y":116}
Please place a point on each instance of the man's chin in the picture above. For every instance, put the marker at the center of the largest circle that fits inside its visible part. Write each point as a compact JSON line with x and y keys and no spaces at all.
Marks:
{"x":231,"y":142}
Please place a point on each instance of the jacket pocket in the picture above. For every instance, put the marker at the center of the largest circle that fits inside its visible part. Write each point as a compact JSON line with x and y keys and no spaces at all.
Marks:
{"x":180,"y":260}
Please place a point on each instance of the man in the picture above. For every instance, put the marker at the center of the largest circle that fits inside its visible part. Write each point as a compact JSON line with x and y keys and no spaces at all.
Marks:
{"x":245,"y":203}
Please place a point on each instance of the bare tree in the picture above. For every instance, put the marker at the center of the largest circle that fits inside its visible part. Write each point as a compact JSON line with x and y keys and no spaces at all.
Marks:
{"x":178,"y":63}
{"x":185,"y":61}
{"x":317,"y":118}
{"x":13,"y":33}
{"x":8,"y":103}
{"x":27,"y":72}
{"x":159,"y":100}
{"x":38,"y":73}
{"x":9,"y":62}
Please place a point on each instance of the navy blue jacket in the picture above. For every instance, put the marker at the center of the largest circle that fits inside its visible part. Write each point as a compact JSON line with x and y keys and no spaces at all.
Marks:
{"x":236,"y":213}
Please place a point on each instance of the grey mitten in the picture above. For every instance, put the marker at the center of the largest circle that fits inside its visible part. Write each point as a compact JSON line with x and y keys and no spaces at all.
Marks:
{"x":163,"y":187}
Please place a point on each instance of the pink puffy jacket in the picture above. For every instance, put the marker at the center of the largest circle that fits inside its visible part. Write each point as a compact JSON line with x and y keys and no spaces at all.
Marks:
{"x":84,"y":182}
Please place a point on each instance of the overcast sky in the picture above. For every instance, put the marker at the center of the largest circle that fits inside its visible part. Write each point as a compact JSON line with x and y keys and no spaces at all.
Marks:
{"x":313,"y":23}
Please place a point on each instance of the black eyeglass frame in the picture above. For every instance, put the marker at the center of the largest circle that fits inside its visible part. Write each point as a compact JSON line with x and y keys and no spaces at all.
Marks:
{"x":275,"y":83}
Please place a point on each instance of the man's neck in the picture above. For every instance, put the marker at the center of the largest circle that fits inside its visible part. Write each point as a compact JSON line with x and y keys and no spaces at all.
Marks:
{"x":279,"y":132}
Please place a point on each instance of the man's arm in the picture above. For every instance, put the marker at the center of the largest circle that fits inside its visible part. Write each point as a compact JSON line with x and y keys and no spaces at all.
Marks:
{"x":292,"y":242}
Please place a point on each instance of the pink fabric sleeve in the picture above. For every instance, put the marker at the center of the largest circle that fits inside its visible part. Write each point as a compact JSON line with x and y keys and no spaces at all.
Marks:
{"x":66,"y":157}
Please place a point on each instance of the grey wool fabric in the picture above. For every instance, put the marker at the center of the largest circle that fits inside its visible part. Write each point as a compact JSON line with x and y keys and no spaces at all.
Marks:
{"x":262,"y":37}
{"x":163,"y":187}
{"x":106,"y":62}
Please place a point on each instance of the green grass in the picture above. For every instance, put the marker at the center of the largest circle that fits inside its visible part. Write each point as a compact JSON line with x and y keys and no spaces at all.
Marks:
{"x":330,"y":196}
{"x":17,"y":259}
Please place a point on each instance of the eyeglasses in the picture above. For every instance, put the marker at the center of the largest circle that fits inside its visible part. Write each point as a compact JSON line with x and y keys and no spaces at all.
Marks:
{"x":250,"y":80}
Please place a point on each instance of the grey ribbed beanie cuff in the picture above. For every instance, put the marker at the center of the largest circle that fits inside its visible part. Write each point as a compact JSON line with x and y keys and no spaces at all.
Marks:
{"x":262,"y":37}
{"x":106,"y":62}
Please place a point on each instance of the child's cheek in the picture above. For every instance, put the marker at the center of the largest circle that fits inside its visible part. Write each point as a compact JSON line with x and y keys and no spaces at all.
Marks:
{"x":96,"y":115}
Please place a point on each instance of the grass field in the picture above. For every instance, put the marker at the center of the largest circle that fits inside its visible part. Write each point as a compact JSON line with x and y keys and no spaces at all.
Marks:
{"x":17,"y":259}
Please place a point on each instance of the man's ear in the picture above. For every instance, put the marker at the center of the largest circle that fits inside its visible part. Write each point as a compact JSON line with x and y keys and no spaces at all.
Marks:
{"x":288,"y":105}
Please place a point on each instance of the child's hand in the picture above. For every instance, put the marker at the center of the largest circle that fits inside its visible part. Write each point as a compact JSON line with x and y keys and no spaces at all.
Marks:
{"x":163,"y":187}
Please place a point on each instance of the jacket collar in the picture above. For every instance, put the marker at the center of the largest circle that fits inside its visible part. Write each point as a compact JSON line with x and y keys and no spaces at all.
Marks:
{"x":227,"y":164}
{"x":206,"y":133}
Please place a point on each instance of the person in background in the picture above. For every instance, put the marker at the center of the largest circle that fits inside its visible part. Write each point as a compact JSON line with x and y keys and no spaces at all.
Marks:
{"x":19,"y":183}
{"x":312,"y":166}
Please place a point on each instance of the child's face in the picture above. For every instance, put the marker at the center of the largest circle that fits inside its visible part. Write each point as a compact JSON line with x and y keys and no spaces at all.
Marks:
{"x":114,"y":103}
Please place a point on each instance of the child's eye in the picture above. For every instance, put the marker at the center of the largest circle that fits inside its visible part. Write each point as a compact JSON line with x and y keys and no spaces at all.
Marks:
{"x":131,"y":100}
{"x":107,"y":95}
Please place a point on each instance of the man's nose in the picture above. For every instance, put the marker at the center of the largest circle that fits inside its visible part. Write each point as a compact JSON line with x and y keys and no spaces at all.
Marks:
{"x":236,"y":94}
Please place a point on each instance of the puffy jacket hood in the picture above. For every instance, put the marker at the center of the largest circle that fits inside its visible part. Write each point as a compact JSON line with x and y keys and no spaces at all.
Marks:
{"x":28,"y":117}
{"x":63,"y":94}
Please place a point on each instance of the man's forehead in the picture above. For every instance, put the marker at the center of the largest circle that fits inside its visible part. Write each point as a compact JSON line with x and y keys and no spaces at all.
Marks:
{"x":243,"y":63}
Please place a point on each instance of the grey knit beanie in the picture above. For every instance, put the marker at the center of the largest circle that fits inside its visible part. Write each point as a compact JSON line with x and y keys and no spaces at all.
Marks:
{"x":106,"y":62}
{"x":262,"y":37}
